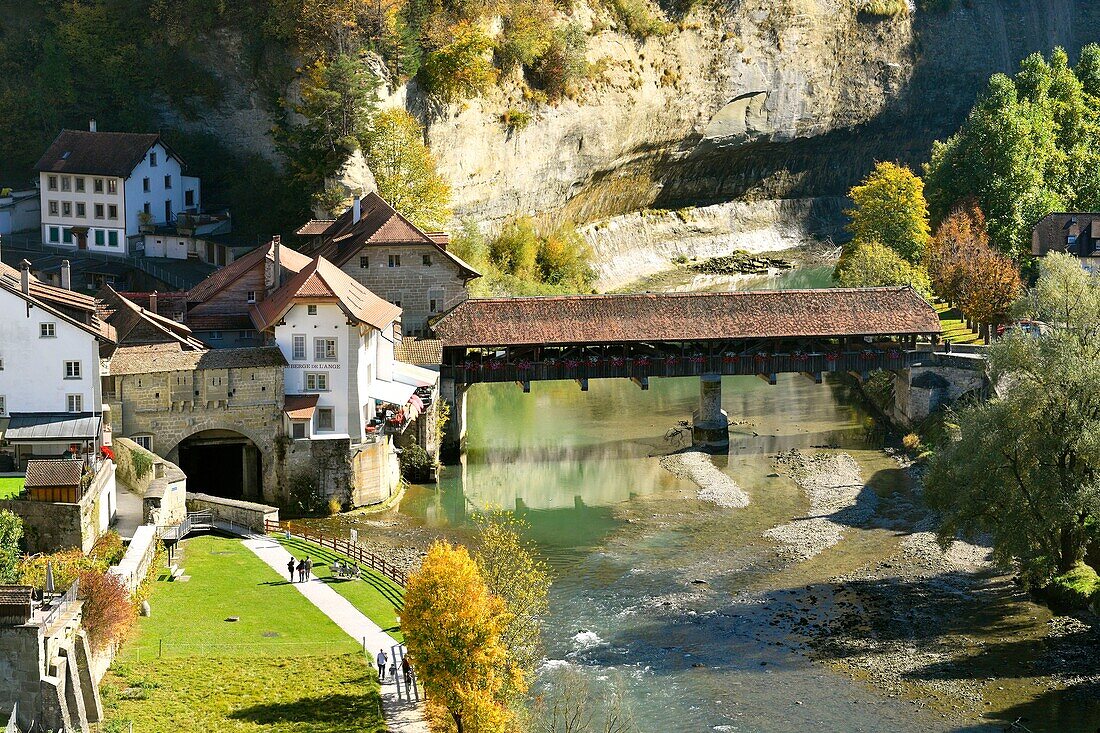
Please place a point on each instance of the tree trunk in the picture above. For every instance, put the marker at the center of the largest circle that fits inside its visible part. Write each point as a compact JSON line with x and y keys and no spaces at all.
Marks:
{"x":1071,"y":547}
{"x":458,"y":721}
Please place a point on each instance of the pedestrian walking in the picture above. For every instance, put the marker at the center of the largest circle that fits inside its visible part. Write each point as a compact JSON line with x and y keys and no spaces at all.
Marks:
{"x":301,"y":571}
{"x":309,"y":568}
{"x":290,"y":568}
{"x":406,"y":670}
{"x":382,"y":659}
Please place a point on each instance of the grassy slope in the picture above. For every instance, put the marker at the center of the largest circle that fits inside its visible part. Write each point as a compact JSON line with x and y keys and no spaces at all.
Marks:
{"x":284,"y":667}
{"x":11,"y":487}
{"x":954,"y":326}
{"x":378,"y":597}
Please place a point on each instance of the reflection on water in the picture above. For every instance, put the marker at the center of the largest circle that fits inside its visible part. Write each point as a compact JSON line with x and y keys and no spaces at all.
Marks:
{"x":626,"y":540}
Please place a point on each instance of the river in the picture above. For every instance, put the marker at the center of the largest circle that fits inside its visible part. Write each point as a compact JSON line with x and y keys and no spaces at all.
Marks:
{"x":684,"y":605}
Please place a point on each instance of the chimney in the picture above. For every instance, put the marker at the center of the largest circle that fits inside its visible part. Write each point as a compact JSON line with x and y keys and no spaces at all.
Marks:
{"x":277,"y":267}
{"x":25,"y":277}
{"x":356,"y":211}
{"x":91,"y":126}
{"x":66,"y":275}
{"x":153,"y":301}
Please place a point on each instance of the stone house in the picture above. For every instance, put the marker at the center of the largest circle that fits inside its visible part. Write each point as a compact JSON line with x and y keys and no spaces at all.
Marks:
{"x":389,"y":255}
{"x":1077,"y":233}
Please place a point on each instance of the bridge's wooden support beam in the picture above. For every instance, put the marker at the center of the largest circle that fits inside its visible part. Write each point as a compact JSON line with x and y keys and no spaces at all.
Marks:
{"x":526,"y":384}
{"x":769,"y":378}
{"x":814,"y":377}
{"x":584,"y":384}
{"x":642,"y":382}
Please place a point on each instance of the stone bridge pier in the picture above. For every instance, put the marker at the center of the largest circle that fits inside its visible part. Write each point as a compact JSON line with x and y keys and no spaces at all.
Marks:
{"x":940,"y":379}
{"x":710,"y":429}
{"x":453,"y":442}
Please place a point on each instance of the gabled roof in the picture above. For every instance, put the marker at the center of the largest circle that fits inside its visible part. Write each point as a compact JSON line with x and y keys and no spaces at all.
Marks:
{"x":76,"y":308}
{"x":313,"y":227}
{"x":1051,"y":231}
{"x":606,"y":319}
{"x":300,"y":406}
{"x":53,"y":472}
{"x":136,"y":325}
{"x":97,"y":153}
{"x":322,"y":280}
{"x":291,"y":260}
{"x":379,"y":224}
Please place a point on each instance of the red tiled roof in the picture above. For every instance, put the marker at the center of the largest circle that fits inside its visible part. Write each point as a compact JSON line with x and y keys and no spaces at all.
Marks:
{"x":314,"y":227}
{"x":324,"y":280}
{"x":96,"y":153}
{"x":379,"y":224}
{"x":76,"y":308}
{"x":292,"y":261}
{"x":53,"y":472}
{"x":598,"y":319}
{"x":134,"y":324}
{"x":300,"y":406}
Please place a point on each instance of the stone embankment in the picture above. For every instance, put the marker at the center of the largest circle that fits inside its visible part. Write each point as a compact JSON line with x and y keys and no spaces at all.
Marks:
{"x":838,"y":499}
{"x":714,"y":486}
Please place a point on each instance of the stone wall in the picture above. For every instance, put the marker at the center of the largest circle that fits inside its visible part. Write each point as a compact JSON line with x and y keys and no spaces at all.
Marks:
{"x":943,"y":379}
{"x":52,"y":526}
{"x":163,"y":489}
{"x":412,"y":283}
{"x":165,"y":406}
{"x":377,"y":473}
{"x":241,"y":513}
{"x":21,"y":670}
{"x":134,"y":565}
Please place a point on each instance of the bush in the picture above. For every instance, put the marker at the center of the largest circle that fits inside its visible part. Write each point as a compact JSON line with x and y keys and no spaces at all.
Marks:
{"x":335,"y":506}
{"x":515,"y":119}
{"x":11,"y":531}
{"x":461,"y":69}
{"x":886,"y":8}
{"x":912,"y":444}
{"x":108,"y":549}
{"x":416,"y":464}
{"x":639,"y":18}
{"x":1072,"y":591}
{"x":108,"y":614}
{"x":526,"y":34}
{"x":563,"y":65}
{"x":68,"y":565}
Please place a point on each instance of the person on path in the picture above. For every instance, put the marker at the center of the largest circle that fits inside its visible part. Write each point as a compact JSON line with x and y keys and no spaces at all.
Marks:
{"x":309,"y":568}
{"x":290,"y":568}
{"x":382,"y":659}
{"x":406,"y":670}
{"x":301,"y":571}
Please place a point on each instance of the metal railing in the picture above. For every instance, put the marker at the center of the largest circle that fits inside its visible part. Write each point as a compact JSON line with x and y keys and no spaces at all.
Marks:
{"x":362,"y":557}
{"x":61,"y":604}
{"x":407,"y":690}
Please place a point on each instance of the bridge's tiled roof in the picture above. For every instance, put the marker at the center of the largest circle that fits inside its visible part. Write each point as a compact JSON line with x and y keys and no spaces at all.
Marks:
{"x":830,"y":312}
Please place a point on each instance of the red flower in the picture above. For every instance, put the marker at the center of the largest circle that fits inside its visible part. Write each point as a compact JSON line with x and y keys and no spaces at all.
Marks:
{"x":832,"y":356}
{"x":698,"y":359}
{"x":523,"y":365}
{"x":731,"y":359}
{"x":642,"y":361}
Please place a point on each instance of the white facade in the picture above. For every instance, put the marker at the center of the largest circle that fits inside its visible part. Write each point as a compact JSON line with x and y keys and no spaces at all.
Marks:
{"x":19,"y":211}
{"x":111,"y":207}
{"x":37,"y":372}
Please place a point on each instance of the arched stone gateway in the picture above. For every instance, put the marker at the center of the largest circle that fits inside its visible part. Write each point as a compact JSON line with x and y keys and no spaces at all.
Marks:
{"x":224,"y":462}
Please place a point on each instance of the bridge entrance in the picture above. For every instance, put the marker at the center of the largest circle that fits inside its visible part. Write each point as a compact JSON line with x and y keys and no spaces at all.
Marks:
{"x":222,"y":463}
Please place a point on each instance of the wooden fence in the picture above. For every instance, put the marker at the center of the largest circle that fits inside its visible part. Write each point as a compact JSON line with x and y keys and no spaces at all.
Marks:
{"x":362,"y":557}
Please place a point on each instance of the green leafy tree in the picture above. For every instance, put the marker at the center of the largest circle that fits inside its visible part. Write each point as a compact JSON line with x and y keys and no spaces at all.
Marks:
{"x":11,"y":532}
{"x":404,"y":169}
{"x":873,"y":265}
{"x":513,"y":573}
{"x":461,"y":68}
{"x":1023,"y":467}
{"x":1088,"y":69}
{"x":564,"y":64}
{"x":527,"y":31}
{"x":890,"y":209}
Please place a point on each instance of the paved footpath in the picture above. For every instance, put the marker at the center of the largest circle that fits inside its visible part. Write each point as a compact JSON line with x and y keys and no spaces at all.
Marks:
{"x":401,"y":717}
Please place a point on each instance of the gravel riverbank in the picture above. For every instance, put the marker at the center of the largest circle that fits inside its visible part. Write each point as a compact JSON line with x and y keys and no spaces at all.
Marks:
{"x":714,"y":486}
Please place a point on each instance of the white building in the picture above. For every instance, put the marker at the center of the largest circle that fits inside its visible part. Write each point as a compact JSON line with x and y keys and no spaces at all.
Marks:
{"x":19,"y":210}
{"x":98,"y":188}
{"x":342,"y":381}
{"x":50,"y":367}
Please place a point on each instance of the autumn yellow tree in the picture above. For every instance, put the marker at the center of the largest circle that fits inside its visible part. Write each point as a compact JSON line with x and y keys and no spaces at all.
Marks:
{"x":890,"y":209}
{"x":404,"y":169}
{"x":991,"y":284}
{"x":453,"y":626}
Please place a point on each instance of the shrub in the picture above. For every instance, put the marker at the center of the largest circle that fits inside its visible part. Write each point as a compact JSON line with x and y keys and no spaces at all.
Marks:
{"x":912,"y":443}
{"x":416,"y":464}
{"x":68,"y":565}
{"x":461,"y":69}
{"x":515,"y":119}
{"x":108,"y":549}
{"x":335,"y":506}
{"x":11,"y":531}
{"x":526,"y":34}
{"x":886,"y":8}
{"x":1071,"y":591}
{"x":563,"y":65}
{"x":108,"y":614}
{"x":640,"y":19}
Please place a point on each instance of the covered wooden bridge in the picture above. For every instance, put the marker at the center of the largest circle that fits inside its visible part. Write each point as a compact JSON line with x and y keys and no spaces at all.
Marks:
{"x":638,"y":336}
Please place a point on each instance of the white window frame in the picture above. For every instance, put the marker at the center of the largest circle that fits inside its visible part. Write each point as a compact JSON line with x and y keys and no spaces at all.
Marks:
{"x":298,"y":350}
{"x":47,"y":330}
{"x":311,"y":310}
{"x":316,"y":382}
{"x":145,"y":441}
{"x":214,"y":336}
{"x":318,"y":425}
{"x":250,"y":296}
{"x":321,"y":350}
{"x":74,"y":400}
{"x":393,"y":261}
{"x":73,"y":369}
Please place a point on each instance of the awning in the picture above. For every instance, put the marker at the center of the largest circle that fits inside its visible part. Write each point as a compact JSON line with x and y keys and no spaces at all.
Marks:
{"x":393,"y":392}
{"x":300,"y":406}
{"x":414,"y":375}
{"x":52,"y":427}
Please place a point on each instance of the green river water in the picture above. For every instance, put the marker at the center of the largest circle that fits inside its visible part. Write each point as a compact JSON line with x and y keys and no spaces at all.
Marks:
{"x":670,"y":597}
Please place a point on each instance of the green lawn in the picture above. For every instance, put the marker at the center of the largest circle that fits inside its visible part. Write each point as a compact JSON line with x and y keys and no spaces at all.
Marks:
{"x":282,"y":667}
{"x":11,"y":487}
{"x":954,"y":326}
{"x":378,"y":597}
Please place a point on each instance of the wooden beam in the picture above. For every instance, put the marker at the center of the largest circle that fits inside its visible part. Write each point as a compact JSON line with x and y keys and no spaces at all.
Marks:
{"x":642,"y":382}
{"x":814,"y":377}
{"x":584,"y":384}
{"x":526,"y":384}
{"x":769,"y":378}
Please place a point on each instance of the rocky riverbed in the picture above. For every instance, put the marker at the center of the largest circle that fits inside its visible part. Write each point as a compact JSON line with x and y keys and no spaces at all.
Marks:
{"x":714,"y":486}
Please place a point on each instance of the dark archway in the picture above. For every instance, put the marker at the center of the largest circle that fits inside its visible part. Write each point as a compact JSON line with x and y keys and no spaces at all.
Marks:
{"x":222,"y":463}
